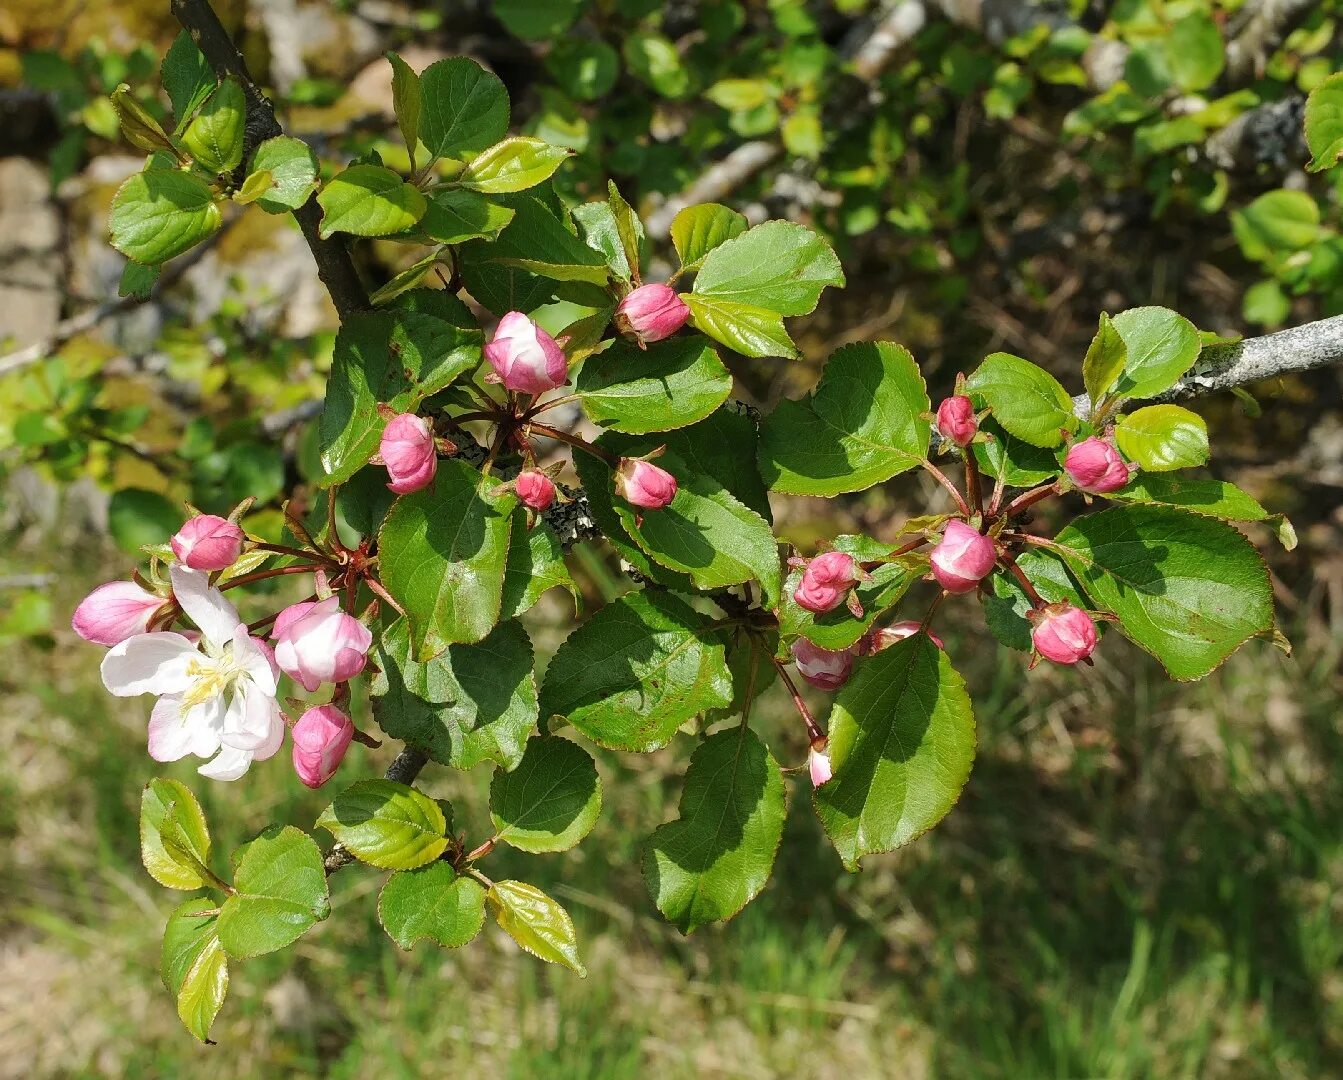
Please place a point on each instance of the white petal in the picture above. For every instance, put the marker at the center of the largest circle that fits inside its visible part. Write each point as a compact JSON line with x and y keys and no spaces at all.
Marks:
{"x":149,"y":664}
{"x":169,"y":736}
{"x":250,"y":655}
{"x":274,"y":738}
{"x":247,"y":723}
{"x":206,"y":607}
{"x":228,"y":764}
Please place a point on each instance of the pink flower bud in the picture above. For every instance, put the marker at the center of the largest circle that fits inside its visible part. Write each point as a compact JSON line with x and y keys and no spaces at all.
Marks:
{"x":524,"y":357}
{"x":317,"y":643}
{"x":1063,"y":633}
{"x":956,"y":419}
{"x":207,"y":542}
{"x":818,"y":764}
{"x":535,"y":489}
{"x":1094,"y":466}
{"x":826,"y":582}
{"x":321,"y":737}
{"x":822,"y":668}
{"x":114,"y":612}
{"x":651,"y":313}
{"x":642,"y":483}
{"x":407,"y":449}
{"x":884,"y":637}
{"x":962,"y":557}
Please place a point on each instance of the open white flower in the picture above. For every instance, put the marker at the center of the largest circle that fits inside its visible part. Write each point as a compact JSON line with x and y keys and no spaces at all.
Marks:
{"x":216,"y":697}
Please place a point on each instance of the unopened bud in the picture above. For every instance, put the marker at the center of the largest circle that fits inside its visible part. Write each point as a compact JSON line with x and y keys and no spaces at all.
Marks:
{"x":643,"y":484}
{"x":407,"y":450}
{"x":962,"y":558}
{"x":1094,"y":466}
{"x":956,"y":419}
{"x":524,"y":357}
{"x":1063,"y":633}
{"x":651,"y":313}
{"x":321,"y":737}
{"x":826,"y":582}
{"x":207,"y":542}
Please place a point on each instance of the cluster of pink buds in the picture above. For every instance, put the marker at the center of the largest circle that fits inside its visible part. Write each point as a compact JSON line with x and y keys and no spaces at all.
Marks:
{"x":651,"y":313}
{"x":525,"y":359}
{"x":1095,"y":466}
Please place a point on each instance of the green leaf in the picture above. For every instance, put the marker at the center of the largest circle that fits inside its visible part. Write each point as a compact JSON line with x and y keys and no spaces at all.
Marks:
{"x":612,"y":229}
{"x":697,"y":230}
{"x":536,"y":922}
{"x":550,"y":801}
{"x":865,"y":422}
{"x":281,"y":893}
{"x":160,"y":213}
{"x":470,"y":703}
{"x":174,"y":839}
{"x":652,"y":59}
{"x":1162,"y":438}
{"x":406,"y":101}
{"x":902,"y":740}
{"x":193,"y":965}
{"x":392,"y":357}
{"x":410,"y":277}
{"x":535,"y":566}
{"x":1104,"y":362}
{"x":455,"y":216}
{"x":1324,"y":123}
{"x":716,"y":856}
{"x":1188,"y":589}
{"x":1026,"y":400}
{"x":136,"y":517}
{"x":215,"y":137}
{"x":1276,"y":226}
{"x":780,"y":266}
{"x":1216,"y":498}
{"x":838,"y":629}
{"x":668,"y":385}
{"x":1161,"y":347}
{"x":585,"y":69}
{"x":1018,"y":462}
{"x":538,"y":242}
{"x":636,"y":671}
{"x":744,"y":328}
{"x":538,"y":20}
{"x":1194,"y":52}
{"x":515,"y":164}
{"x":138,"y":281}
{"x":293,"y":170}
{"x":464,"y":108}
{"x":368,"y":200}
{"x":443,"y":550}
{"x":187,"y":78}
{"x":434,"y":902}
{"x":386,"y":824}
{"x":253,"y":187}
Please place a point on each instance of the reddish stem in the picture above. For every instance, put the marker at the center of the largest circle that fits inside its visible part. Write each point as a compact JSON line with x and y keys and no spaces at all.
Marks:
{"x":1030,"y":498}
{"x":262,"y":575}
{"x":972,"y":481}
{"x":814,"y":731}
{"x":942,"y":479}
{"x":576,"y":441}
{"x":1036,"y":599}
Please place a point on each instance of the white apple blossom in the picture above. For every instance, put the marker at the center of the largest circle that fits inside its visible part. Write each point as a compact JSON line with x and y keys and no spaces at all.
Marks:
{"x":216,"y":696}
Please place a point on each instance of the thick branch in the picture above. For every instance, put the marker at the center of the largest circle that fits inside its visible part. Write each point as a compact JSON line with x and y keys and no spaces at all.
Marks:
{"x":334,"y":265}
{"x":1223,"y":367}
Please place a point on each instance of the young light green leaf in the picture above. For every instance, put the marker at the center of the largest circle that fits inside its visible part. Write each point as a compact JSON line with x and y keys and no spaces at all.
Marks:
{"x":293,"y":170}
{"x":160,"y":213}
{"x":406,"y":101}
{"x":744,"y":328}
{"x":1188,"y":589}
{"x":838,"y":629}
{"x":1026,"y":400}
{"x":193,"y":965}
{"x":865,"y":422}
{"x":780,"y":266}
{"x":281,"y":893}
{"x":697,"y":230}
{"x":612,"y":231}
{"x":443,"y":551}
{"x":902,"y":740}
{"x":386,"y":824}
{"x":636,"y":671}
{"x":1161,"y":347}
{"x":138,"y":127}
{"x":1324,"y":123}
{"x":410,"y":277}
{"x":716,"y":856}
{"x":215,"y":137}
{"x":174,"y":839}
{"x":536,"y":922}
{"x":187,"y":79}
{"x":514,"y":164}
{"x":256,"y":185}
{"x":434,"y":902}
{"x":551,"y":800}
{"x":669,"y":384}
{"x":392,"y":357}
{"x":463,"y":109}
{"x":470,"y":703}
{"x":1104,"y":361}
{"x":368,"y":200}
{"x":455,"y":216}
{"x":1162,"y":438}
